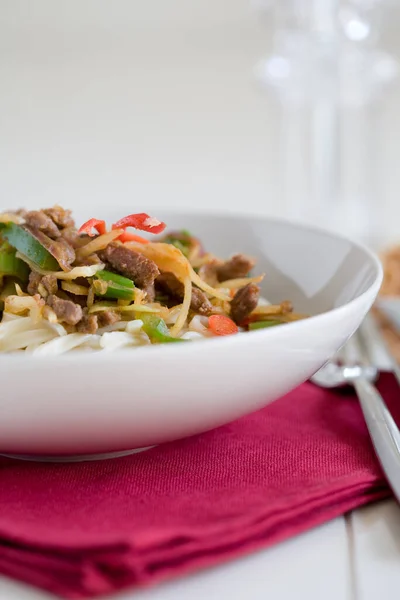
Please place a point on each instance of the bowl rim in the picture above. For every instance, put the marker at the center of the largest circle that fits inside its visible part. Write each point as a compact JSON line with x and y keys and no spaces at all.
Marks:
{"x":223,"y":341}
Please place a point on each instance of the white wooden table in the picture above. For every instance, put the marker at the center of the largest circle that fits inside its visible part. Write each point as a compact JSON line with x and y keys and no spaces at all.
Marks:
{"x":154,"y":103}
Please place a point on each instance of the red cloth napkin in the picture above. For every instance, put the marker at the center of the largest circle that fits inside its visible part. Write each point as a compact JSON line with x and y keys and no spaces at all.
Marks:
{"x":81,"y":530}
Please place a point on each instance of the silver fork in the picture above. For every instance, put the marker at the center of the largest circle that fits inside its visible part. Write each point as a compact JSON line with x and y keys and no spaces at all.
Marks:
{"x":353,"y":366}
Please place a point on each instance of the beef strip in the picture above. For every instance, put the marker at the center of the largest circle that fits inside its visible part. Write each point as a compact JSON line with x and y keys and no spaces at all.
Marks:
{"x":208,"y":273}
{"x":48,"y":282}
{"x":170,"y":285}
{"x":244,"y":302}
{"x":75,"y":239}
{"x":150,"y":293}
{"x":60,"y":248}
{"x":200,"y":303}
{"x":37,"y":220}
{"x":66,"y":310}
{"x":61,"y":217}
{"x":81,"y":300}
{"x":34,"y":281}
{"x":237,"y":266}
{"x":88,"y":323}
{"x":107,"y":317}
{"x":132,"y":264}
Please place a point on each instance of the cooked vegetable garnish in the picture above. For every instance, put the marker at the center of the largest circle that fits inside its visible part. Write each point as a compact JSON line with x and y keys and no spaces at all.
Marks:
{"x":181,"y":240}
{"x":222,"y":325}
{"x":99,"y":243}
{"x":103,"y":288}
{"x":132,"y":237}
{"x":11,"y":265}
{"x":25,"y":242}
{"x":97,"y":224}
{"x":111,"y":285}
{"x":141,"y":221}
{"x":157,"y":330}
{"x":264,"y":324}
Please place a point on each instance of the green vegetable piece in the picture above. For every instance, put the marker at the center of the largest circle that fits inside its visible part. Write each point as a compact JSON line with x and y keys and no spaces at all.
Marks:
{"x":181,"y":246}
{"x":157,"y":330}
{"x":108,"y":276}
{"x":11,"y":265}
{"x":181,"y":240}
{"x":263,"y":324}
{"x":24,"y":241}
{"x":112,"y":285}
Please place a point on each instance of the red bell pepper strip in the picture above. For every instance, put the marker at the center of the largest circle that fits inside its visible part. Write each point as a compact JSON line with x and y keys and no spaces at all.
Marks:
{"x":131,"y":237}
{"x":221,"y":325}
{"x":141,"y":221}
{"x":97,"y":224}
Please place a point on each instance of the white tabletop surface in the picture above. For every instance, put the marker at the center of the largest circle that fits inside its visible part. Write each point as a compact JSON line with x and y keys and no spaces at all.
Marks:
{"x":154,"y":103}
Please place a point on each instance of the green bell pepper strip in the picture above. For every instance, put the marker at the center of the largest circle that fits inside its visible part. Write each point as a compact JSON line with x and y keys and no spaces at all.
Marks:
{"x":156,"y":329}
{"x":263,"y":324}
{"x":25,"y":242}
{"x":11,"y":265}
{"x":181,"y":240}
{"x":111,"y":285}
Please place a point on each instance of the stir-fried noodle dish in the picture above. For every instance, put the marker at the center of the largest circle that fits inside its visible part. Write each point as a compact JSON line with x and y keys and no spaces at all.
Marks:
{"x":98,"y":287}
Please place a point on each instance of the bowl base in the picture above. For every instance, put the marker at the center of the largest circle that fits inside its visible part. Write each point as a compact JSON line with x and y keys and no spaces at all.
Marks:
{"x":74,"y":458}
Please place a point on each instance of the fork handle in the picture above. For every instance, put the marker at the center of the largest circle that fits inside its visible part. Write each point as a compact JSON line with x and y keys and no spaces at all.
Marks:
{"x":383,"y":430}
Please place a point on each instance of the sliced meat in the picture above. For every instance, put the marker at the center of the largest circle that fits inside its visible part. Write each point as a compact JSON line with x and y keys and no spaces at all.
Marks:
{"x":239,"y":265}
{"x":66,"y":310}
{"x":61,"y":217}
{"x":93,"y":259}
{"x":48,"y":283}
{"x":150,"y":293}
{"x":34,"y":281}
{"x":62,"y":251}
{"x":107,"y":317}
{"x":75,"y":239}
{"x":80,"y":300}
{"x":244,"y":302}
{"x":88,"y":324}
{"x":170,"y":285}
{"x":132,"y":264}
{"x":200,"y":303}
{"x":208,"y":273}
{"x":38,"y":220}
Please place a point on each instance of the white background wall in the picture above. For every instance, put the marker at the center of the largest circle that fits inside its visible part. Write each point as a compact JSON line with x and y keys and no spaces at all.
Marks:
{"x":133,"y":102}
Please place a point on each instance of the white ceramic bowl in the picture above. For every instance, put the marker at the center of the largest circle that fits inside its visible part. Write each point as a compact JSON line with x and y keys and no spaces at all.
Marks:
{"x":112,"y":402}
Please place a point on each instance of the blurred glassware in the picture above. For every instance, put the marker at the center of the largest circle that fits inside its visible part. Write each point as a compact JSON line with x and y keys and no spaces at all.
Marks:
{"x":328,"y":73}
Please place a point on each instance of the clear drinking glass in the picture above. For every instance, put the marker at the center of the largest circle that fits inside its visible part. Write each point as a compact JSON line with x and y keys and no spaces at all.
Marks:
{"x":328,"y":74}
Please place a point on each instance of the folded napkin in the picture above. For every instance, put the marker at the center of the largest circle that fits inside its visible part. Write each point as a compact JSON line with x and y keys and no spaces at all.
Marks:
{"x":81,"y":530}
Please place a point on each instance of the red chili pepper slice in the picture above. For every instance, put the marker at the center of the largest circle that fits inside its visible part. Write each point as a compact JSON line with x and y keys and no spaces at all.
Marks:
{"x":131,"y":237}
{"x":97,"y":224}
{"x":222,"y":325}
{"x":141,"y":221}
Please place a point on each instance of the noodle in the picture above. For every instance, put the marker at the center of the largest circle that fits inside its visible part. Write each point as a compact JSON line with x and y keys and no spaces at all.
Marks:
{"x":234,"y":284}
{"x":74,"y":288}
{"x":185,"y":308}
{"x":86,"y":271}
{"x":98,"y":243}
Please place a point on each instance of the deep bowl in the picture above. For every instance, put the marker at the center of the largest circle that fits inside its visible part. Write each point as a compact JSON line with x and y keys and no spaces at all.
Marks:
{"x":112,"y":402}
